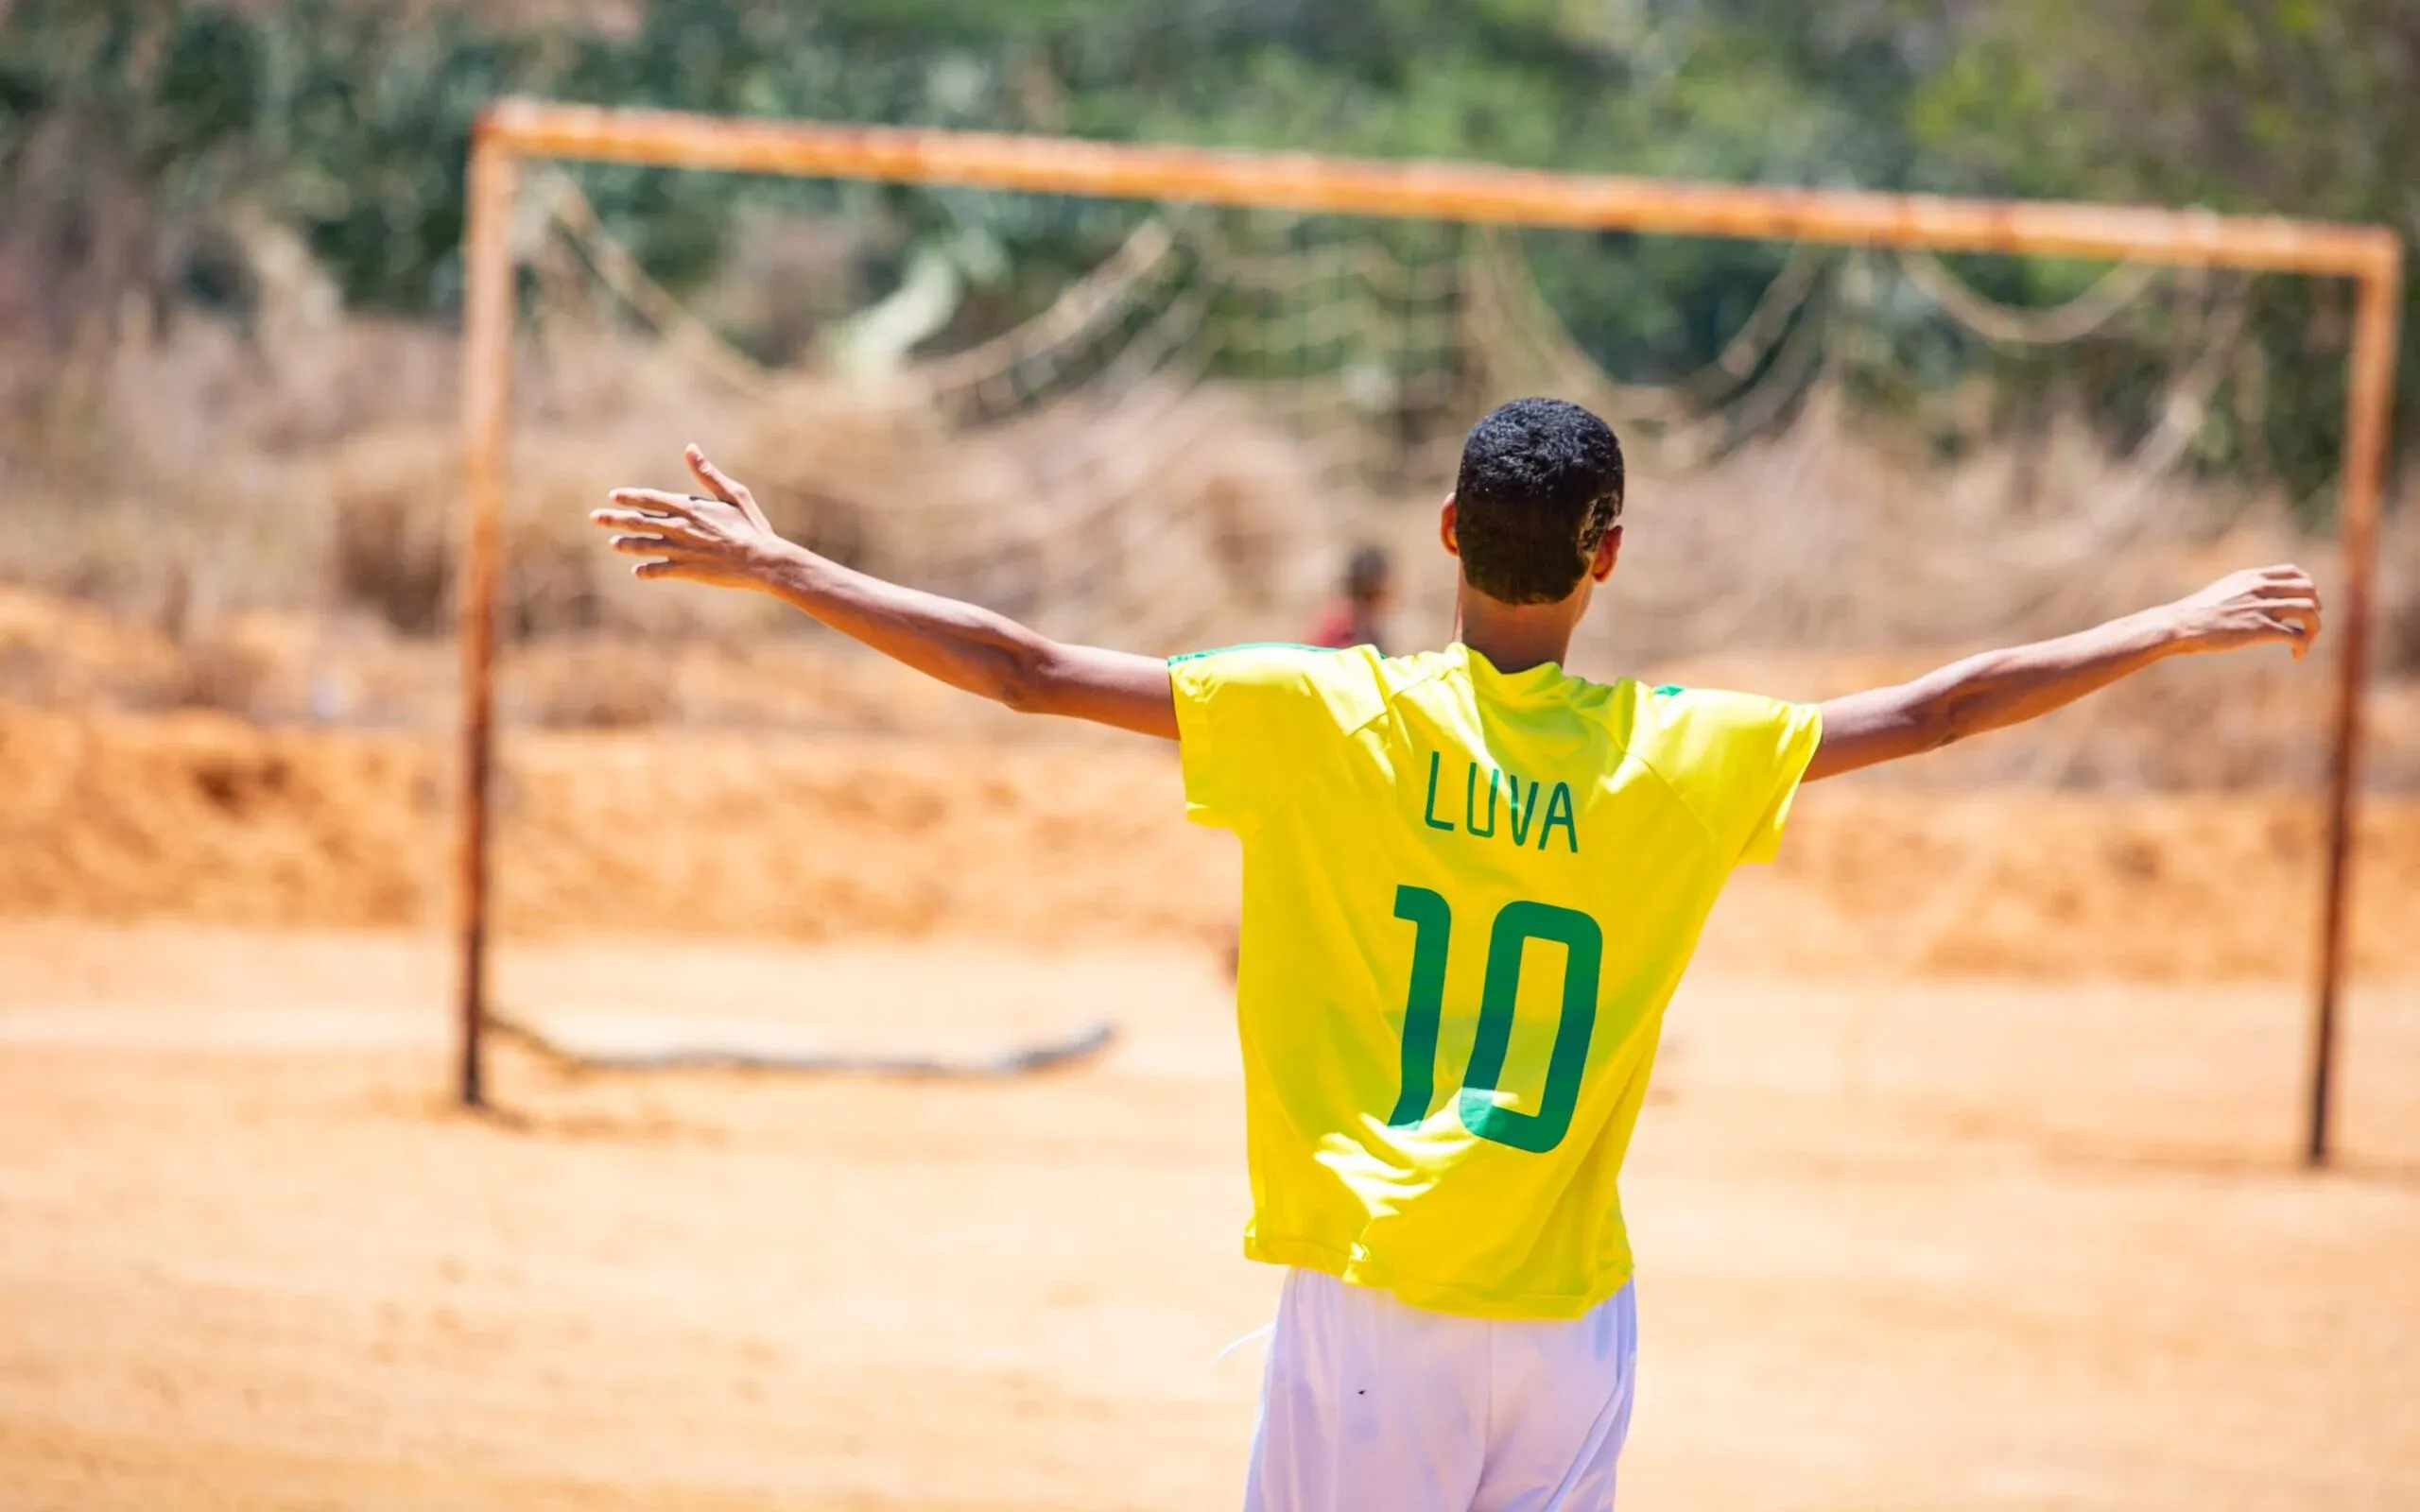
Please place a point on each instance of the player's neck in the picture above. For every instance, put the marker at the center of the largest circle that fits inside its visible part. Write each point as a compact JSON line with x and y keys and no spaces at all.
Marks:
{"x":1517,"y":637}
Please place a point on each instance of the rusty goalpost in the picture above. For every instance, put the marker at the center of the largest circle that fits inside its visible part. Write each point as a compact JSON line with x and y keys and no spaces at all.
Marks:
{"x":511,"y":132}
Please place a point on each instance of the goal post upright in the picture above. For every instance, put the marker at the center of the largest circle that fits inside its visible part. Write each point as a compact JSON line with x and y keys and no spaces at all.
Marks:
{"x":488,"y":300}
{"x":2369,"y":398}
{"x":513,"y":128}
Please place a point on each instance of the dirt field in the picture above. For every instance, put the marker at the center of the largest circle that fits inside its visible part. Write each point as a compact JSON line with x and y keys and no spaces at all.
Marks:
{"x":1931,"y":1245}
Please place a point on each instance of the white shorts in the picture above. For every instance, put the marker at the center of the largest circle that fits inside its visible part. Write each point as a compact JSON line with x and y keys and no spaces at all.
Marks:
{"x":1372,"y":1405}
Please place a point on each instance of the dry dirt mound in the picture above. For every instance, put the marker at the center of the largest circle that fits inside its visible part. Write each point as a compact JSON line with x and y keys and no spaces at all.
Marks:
{"x":2040,"y":885}
{"x":206,"y":817}
{"x":199,"y":816}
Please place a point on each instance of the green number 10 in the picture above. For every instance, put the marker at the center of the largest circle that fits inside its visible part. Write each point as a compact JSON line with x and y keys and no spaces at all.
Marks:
{"x":1516,"y":924}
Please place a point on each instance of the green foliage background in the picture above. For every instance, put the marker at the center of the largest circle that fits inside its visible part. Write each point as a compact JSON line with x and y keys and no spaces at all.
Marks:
{"x":349,"y":121}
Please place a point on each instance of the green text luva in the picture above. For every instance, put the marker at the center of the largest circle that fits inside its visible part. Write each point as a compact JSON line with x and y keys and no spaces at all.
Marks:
{"x":1521,"y":815}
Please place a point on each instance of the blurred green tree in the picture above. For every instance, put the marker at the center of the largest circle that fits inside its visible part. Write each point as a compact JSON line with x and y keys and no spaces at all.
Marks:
{"x":132,"y":130}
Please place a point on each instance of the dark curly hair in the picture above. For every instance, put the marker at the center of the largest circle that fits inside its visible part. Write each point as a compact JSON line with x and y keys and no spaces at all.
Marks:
{"x":1541,"y":483}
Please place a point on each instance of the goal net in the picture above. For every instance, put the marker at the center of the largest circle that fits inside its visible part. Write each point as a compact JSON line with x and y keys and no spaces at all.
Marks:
{"x":1176,"y":442}
{"x":1158,"y":400}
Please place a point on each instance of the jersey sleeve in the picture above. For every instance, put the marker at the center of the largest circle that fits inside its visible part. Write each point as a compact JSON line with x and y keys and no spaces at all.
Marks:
{"x":1736,"y":759}
{"x":1252,"y":720}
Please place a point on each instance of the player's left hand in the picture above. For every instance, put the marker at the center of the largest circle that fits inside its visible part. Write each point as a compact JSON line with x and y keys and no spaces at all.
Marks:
{"x":2258,"y":607}
{"x":719,"y":538}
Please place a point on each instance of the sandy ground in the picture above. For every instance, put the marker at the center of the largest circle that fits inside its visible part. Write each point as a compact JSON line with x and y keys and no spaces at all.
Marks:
{"x":1918,"y":1244}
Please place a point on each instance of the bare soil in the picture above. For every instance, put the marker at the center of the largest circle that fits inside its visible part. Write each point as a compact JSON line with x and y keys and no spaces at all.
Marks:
{"x":1912,"y":1244}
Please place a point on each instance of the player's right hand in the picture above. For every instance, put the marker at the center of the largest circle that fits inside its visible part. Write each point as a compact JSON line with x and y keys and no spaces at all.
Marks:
{"x":719,"y":538}
{"x":2250,"y":608}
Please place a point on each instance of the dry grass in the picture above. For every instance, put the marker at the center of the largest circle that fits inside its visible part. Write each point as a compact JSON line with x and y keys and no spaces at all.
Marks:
{"x":282,"y":511}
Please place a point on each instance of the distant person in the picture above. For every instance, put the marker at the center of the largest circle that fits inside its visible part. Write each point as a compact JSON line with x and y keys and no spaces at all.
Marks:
{"x":1356,"y":617}
{"x":1433,"y":1149}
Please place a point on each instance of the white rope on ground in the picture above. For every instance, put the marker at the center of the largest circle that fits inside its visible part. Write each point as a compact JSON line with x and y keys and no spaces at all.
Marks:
{"x":1017,"y":1060}
{"x":2013,"y":325}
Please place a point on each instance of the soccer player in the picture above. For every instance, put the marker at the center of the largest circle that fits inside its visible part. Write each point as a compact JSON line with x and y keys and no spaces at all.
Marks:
{"x":1471,"y":882}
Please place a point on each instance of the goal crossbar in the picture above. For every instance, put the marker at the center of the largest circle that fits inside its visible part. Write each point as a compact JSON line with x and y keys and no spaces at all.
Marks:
{"x":512,"y":129}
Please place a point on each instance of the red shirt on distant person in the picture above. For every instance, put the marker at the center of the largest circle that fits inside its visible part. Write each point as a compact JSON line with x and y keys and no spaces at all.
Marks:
{"x":1354,"y":618}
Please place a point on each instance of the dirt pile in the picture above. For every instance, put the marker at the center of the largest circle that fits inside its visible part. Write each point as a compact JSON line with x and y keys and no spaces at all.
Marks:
{"x":201,"y":817}
{"x":197,"y":815}
{"x":2037,"y":885}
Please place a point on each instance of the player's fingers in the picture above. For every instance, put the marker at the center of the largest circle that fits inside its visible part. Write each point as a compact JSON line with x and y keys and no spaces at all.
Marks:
{"x":2294,"y":628}
{"x":683,"y":505}
{"x":659,"y":569}
{"x":716,"y":483}
{"x":641,"y":520}
{"x":2283,"y":600}
{"x":648,"y":544}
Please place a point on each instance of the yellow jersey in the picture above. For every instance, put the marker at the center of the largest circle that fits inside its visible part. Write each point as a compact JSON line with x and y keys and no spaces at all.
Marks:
{"x":1467,"y":896}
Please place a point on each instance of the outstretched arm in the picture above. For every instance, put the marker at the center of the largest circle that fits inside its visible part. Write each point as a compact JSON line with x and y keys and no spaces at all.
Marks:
{"x":2001,"y":688}
{"x":724,"y":540}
